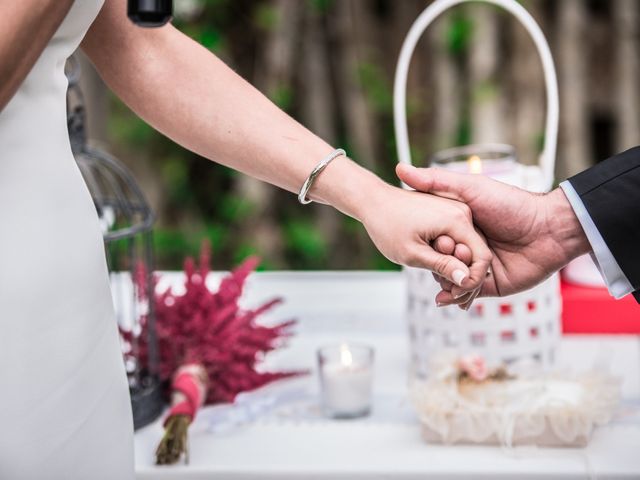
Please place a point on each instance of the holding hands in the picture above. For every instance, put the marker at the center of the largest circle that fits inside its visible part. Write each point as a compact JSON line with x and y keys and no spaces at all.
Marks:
{"x":404,"y":224}
{"x":530,"y":235}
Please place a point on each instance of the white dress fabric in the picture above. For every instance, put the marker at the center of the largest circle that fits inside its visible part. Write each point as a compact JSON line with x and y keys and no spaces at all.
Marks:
{"x":65,"y":411}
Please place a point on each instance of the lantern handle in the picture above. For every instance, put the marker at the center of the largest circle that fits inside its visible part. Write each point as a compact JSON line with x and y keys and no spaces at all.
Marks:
{"x":548,"y":155}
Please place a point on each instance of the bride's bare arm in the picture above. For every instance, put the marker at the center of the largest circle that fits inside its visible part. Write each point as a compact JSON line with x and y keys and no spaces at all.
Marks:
{"x":187,"y":93}
{"x":191,"y":96}
{"x":26,"y":26}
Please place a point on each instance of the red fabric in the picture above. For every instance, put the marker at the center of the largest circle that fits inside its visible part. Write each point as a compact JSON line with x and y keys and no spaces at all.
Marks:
{"x":188,"y":386}
{"x":593,"y":310}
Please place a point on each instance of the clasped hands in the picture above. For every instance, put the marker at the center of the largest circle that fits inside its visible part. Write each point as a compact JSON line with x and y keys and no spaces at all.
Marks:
{"x":478,"y":236}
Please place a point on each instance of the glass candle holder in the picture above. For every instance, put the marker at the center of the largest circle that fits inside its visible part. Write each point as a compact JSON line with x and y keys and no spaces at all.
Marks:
{"x":346,"y":377}
{"x":495,"y":160}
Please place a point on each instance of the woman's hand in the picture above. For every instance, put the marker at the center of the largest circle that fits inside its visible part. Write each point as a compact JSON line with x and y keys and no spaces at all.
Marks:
{"x":403,"y":224}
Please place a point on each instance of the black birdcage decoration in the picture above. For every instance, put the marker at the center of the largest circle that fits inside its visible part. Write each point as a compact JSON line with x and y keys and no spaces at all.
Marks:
{"x":126,"y":220}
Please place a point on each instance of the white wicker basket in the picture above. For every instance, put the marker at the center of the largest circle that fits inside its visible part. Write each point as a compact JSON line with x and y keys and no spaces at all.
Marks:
{"x":520,"y":327}
{"x":503,"y":330}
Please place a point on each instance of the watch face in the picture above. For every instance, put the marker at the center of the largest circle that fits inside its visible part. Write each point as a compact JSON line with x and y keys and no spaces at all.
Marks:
{"x":150,"y":13}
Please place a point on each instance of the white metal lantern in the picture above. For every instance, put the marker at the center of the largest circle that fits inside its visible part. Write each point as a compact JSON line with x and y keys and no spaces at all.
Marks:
{"x":525,"y":326}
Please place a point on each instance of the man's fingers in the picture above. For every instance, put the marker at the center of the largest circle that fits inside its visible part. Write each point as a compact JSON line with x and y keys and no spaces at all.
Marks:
{"x":459,"y":299}
{"x":458,"y":292}
{"x":447,"y":245}
{"x":481,"y":257}
{"x":443,"y":282}
{"x":445,"y":298}
{"x":467,"y":305}
{"x":464,"y":298}
{"x":463,"y":253}
{"x":438,"y":181}
{"x":489,"y":288}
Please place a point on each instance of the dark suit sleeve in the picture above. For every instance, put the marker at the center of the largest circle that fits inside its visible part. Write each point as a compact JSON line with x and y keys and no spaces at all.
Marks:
{"x":610,"y":191}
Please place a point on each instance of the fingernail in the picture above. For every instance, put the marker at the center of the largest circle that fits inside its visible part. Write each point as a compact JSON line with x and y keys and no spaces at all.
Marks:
{"x":458,"y":277}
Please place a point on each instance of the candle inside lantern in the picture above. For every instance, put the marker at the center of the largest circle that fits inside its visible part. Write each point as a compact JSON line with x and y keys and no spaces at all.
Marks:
{"x":475,"y":164}
{"x":346,"y":375}
{"x":497,"y":161}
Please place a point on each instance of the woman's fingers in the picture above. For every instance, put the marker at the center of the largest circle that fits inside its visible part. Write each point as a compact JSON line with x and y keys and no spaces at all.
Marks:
{"x":480,"y":256}
{"x":446,"y":266}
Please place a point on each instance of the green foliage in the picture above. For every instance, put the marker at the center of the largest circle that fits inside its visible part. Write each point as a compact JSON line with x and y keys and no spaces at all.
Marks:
{"x":320,"y":6}
{"x":210,"y":38}
{"x":282,"y":96}
{"x":459,"y":33}
{"x":538,"y":141}
{"x":485,"y":92}
{"x":463,"y":133}
{"x":380,"y":262}
{"x":376,"y":87}
{"x":265,"y":17}
{"x":125,"y":128}
{"x":306,"y":242}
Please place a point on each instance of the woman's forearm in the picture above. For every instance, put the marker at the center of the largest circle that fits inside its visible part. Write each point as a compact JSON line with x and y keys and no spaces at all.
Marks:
{"x":26,"y":26}
{"x":191,"y":96}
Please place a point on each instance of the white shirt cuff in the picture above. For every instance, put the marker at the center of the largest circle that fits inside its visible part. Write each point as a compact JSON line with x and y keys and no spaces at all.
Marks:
{"x":616,"y":280}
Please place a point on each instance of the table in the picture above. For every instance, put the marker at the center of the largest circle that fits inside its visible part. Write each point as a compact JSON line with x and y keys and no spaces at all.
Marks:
{"x":368,"y":307}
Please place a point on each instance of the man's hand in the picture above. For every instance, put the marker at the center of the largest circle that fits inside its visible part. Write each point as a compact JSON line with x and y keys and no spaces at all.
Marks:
{"x":530,"y":235}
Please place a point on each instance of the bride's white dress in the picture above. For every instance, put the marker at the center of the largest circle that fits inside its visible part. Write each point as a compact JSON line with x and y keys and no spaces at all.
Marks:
{"x":64,"y":402}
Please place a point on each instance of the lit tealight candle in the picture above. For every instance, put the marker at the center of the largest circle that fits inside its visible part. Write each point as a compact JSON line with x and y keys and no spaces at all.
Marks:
{"x":346,"y":380}
{"x":475,"y":164}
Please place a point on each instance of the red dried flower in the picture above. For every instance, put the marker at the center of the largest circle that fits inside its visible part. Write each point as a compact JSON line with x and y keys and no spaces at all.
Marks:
{"x":209,"y":328}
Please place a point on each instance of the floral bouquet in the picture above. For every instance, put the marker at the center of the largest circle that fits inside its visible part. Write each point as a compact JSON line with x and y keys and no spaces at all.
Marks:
{"x":209,"y":347}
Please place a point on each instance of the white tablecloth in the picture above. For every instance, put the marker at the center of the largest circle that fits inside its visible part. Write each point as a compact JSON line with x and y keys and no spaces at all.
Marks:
{"x":368,"y":307}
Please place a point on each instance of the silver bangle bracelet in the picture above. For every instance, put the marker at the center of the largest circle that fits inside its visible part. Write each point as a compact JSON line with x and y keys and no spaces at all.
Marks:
{"x":308,"y":183}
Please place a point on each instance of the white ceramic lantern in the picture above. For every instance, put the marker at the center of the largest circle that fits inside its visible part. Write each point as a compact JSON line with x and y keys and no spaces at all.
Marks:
{"x":520,"y":327}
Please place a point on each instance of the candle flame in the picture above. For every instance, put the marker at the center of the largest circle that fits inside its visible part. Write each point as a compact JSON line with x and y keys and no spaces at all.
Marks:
{"x":475,"y":164}
{"x":345,"y":355}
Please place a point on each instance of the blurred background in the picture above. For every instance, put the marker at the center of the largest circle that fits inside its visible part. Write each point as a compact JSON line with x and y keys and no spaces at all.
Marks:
{"x":475,"y":77}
